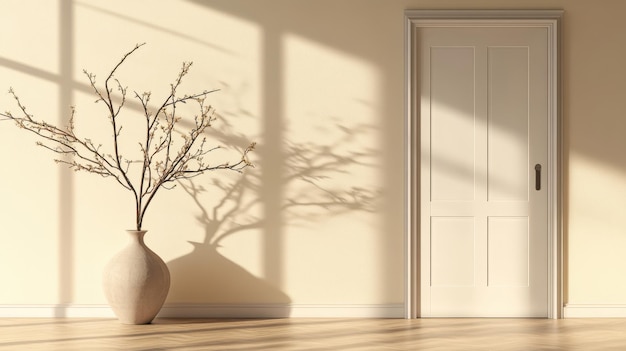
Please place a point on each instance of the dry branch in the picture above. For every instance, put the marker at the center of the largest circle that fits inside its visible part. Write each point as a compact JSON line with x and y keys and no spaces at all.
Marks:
{"x":165,"y":156}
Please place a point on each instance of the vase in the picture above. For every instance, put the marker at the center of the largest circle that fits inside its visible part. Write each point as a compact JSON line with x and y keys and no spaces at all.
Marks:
{"x":136,"y":281}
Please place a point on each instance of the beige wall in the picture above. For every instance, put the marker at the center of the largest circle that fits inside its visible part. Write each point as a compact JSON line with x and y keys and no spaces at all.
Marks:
{"x":319,"y":84}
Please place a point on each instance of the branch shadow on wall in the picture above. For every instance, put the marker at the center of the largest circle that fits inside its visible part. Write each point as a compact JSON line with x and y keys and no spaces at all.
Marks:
{"x":229,"y":207}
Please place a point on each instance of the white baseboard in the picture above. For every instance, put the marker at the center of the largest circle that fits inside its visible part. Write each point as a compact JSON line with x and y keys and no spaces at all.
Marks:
{"x":59,"y":310}
{"x":212,"y":311}
{"x":594,"y":311}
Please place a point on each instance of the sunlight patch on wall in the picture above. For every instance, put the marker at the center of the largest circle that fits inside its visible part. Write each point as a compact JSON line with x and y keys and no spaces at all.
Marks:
{"x":28,"y":193}
{"x":329,"y":93}
{"x":332,"y":115}
{"x":597,"y":234}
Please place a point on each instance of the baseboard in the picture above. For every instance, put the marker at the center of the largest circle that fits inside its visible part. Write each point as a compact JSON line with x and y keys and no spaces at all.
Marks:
{"x":594,"y":311}
{"x":212,"y":311}
{"x":52,"y":311}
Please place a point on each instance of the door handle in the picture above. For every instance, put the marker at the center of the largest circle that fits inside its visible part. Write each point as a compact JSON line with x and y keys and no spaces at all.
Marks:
{"x":537,"y":177}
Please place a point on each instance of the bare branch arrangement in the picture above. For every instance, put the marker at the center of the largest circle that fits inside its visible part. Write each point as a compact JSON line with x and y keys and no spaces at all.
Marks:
{"x":167,"y":154}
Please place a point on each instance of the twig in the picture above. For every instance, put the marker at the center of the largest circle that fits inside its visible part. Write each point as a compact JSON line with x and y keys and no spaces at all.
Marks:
{"x":162,"y":161}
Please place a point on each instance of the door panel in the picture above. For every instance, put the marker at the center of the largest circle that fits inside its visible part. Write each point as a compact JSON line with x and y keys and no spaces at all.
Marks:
{"x":483,"y":122}
{"x":452,"y":92}
{"x":508,"y":255}
{"x":452,"y":237}
{"x":508,"y":123}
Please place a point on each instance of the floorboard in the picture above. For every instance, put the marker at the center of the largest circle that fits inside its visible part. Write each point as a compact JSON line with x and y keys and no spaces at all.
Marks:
{"x":313,"y":334}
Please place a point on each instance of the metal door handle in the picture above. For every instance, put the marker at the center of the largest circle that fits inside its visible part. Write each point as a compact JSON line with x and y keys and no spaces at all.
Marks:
{"x":537,"y":177}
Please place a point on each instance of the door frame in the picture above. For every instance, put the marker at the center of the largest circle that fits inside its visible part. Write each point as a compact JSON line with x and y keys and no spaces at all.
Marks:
{"x":549,"y":19}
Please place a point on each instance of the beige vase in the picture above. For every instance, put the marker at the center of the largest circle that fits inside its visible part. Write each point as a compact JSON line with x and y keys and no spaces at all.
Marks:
{"x":136,"y":282}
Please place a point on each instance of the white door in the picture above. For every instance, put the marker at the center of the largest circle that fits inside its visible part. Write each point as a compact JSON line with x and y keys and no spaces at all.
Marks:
{"x":483,"y":202}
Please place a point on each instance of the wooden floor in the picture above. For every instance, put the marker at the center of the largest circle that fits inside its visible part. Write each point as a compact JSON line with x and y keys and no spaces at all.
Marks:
{"x":314,"y":334}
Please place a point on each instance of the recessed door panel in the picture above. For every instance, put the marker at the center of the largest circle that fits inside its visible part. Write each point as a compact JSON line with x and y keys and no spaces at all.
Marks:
{"x":508,"y":255}
{"x":452,"y":237}
{"x":508,"y":123}
{"x":452,"y":123}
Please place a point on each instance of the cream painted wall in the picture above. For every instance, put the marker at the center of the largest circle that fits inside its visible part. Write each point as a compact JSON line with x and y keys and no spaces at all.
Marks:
{"x":319,"y":84}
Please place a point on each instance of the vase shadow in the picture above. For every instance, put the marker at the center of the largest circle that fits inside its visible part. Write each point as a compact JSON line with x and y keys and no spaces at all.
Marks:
{"x":204,"y":275}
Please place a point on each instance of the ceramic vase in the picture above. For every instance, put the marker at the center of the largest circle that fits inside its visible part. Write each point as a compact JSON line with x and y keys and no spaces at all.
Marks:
{"x":136,"y":281}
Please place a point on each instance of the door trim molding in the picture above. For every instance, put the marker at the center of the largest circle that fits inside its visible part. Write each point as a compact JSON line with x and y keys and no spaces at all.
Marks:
{"x":549,"y":19}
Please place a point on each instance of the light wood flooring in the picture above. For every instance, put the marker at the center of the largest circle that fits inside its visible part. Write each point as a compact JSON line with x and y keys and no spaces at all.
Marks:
{"x":313,"y":334}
